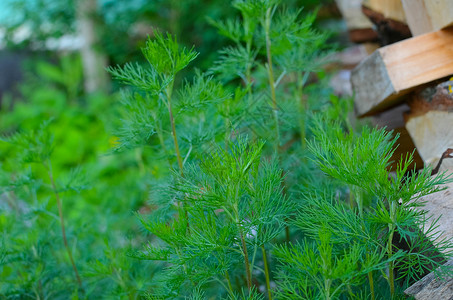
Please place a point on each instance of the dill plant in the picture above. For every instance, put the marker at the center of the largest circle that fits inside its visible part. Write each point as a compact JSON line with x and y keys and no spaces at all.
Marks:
{"x":235,"y":207}
{"x":365,"y":234}
{"x":275,"y":50}
{"x":203,"y":223}
{"x":34,"y":262}
{"x":36,"y":147}
{"x":218,"y":219}
{"x":226,"y":209}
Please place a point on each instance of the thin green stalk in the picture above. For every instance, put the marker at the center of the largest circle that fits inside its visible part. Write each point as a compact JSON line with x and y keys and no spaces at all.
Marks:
{"x":248,"y":273}
{"x":302,"y":106}
{"x":161,"y":141}
{"x":173,"y":128}
{"x":248,"y":68}
{"x":230,"y":287}
{"x":169,"y":91}
{"x":139,"y":158}
{"x":327,"y":284}
{"x":266,"y":272}
{"x":227,"y":127}
{"x":351,"y":198}
{"x":270,"y":71}
{"x":63,"y":231}
{"x":249,"y":41}
{"x":287,"y":234}
{"x":351,"y":294}
{"x":391,"y":266}
{"x":391,"y":278}
{"x":371,"y":281}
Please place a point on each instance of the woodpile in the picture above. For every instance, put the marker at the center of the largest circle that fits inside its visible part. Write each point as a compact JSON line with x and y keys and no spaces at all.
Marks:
{"x":406,"y":85}
{"x":407,"y":82}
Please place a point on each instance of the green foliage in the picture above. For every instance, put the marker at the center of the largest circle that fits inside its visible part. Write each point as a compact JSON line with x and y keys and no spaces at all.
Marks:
{"x":232,"y":196}
{"x":248,"y":180}
{"x":361,"y":235}
{"x":73,"y":140}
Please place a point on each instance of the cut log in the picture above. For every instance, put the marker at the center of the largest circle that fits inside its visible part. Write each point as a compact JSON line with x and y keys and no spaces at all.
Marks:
{"x":390,"y":9}
{"x":359,"y":26}
{"x":431,"y":287}
{"x":380,"y":81}
{"x":429,"y":122}
{"x":425,"y":16}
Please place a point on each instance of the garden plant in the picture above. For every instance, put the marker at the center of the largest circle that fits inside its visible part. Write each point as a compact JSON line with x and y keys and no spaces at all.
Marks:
{"x":246,"y":180}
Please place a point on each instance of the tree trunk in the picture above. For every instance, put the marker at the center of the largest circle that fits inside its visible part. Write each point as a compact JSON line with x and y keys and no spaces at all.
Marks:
{"x":94,"y":61}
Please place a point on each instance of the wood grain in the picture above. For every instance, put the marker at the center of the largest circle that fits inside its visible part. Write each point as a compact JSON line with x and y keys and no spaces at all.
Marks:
{"x":429,"y":122}
{"x":425,"y":16}
{"x":391,"y":72}
{"x":391,"y":9}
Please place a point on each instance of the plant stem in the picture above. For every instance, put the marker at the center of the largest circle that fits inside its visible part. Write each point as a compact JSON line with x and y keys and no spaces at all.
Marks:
{"x":370,"y":280}
{"x":390,"y":247}
{"x":63,"y":231}
{"x":227,"y":127}
{"x":266,"y":272}
{"x":161,"y":140}
{"x":302,"y":106}
{"x":230,"y":287}
{"x":139,"y":159}
{"x":169,"y":91}
{"x":246,"y":259}
{"x":173,"y":128}
{"x":270,"y":70}
{"x":391,"y":267}
{"x":327,"y":284}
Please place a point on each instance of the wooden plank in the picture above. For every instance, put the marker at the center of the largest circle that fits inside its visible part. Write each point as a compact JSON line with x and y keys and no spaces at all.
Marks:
{"x":430,"y":120}
{"x":351,"y":10}
{"x":391,"y":9}
{"x":431,"y":287}
{"x":440,"y":206}
{"x":380,"y":81}
{"x":359,"y":26}
{"x":425,"y":16}
{"x":432,"y":134}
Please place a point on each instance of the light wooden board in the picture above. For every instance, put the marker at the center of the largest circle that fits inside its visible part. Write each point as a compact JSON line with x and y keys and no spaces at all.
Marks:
{"x":389,"y":73}
{"x":359,"y":26}
{"x":391,"y":9}
{"x":440,"y":206}
{"x":425,"y":16}
{"x":432,"y":134}
{"x":351,"y":10}
{"x":429,"y":122}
